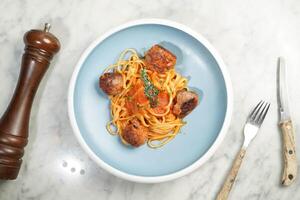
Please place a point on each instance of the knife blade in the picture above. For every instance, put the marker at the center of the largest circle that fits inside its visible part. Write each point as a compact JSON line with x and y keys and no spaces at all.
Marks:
{"x":285,"y":123}
{"x":283,"y":101}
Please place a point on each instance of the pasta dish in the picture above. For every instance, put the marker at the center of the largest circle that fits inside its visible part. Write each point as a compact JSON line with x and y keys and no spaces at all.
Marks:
{"x":148,"y":97}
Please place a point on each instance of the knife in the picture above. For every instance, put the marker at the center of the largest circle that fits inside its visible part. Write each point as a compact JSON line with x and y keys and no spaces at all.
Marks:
{"x":286,"y":126}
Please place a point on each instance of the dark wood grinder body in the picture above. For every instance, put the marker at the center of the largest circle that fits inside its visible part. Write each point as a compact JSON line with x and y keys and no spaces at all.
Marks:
{"x":40,"y":47}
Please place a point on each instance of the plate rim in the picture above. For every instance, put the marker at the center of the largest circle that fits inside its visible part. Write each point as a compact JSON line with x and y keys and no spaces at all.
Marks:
{"x":174,"y":175}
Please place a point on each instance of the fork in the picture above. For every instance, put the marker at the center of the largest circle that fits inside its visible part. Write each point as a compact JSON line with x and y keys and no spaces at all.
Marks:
{"x":253,"y":123}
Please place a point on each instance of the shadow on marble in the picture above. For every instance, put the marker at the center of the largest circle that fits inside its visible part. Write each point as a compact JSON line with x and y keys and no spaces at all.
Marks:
{"x":2,"y":182}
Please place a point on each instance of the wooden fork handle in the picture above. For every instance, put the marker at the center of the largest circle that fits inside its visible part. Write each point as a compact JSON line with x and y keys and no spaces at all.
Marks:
{"x":224,"y":192}
{"x":289,"y":153}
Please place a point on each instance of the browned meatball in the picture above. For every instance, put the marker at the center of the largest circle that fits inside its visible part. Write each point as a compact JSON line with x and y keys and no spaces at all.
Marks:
{"x":185,"y":102}
{"x":159,"y":59}
{"x":135,"y":133}
{"x":111,"y":83}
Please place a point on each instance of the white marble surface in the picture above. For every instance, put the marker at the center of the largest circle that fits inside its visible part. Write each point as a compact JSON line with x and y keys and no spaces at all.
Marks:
{"x":249,"y":35}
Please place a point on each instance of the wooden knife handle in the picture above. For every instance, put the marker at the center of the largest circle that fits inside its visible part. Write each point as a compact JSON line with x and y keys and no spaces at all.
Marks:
{"x":289,"y":153}
{"x":39,"y":50}
{"x":224,"y":192}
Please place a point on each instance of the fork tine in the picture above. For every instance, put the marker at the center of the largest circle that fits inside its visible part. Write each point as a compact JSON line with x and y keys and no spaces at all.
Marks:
{"x":257,"y":110}
{"x":260,"y":111}
{"x":250,"y":117}
{"x":263,"y":113}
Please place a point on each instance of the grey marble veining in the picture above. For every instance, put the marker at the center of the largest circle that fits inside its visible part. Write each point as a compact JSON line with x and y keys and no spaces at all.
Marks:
{"x":249,"y":35}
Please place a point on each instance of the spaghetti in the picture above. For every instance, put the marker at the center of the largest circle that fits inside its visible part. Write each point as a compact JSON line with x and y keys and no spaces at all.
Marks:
{"x":133,"y":101}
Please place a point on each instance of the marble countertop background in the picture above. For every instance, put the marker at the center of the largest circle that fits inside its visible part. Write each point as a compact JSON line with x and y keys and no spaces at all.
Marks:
{"x":249,"y":35}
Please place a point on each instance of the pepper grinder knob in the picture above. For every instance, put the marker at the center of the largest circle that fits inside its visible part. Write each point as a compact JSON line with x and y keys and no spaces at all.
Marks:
{"x":40,"y":47}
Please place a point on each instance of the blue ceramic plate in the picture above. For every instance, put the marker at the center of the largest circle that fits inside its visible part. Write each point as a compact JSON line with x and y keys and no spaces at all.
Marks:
{"x":206,"y":125}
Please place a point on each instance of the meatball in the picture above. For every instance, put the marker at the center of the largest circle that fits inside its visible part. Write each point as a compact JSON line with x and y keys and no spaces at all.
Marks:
{"x":185,"y":102}
{"x":159,"y":59}
{"x":111,"y":83}
{"x":135,"y":133}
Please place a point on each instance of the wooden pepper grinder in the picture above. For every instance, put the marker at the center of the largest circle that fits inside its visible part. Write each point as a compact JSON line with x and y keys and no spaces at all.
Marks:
{"x":39,"y":50}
